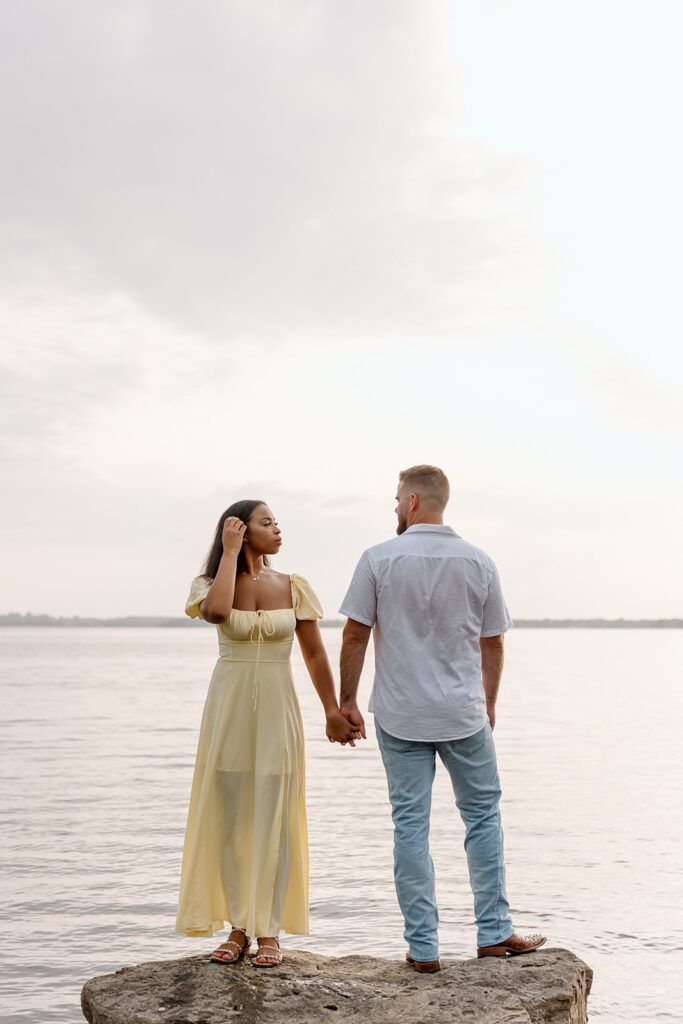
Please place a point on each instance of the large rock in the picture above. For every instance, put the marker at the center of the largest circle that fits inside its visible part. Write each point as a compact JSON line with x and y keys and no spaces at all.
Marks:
{"x":547,"y":986}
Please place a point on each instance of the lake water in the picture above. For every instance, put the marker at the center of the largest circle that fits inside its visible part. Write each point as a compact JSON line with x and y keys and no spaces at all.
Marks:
{"x":98,"y":739}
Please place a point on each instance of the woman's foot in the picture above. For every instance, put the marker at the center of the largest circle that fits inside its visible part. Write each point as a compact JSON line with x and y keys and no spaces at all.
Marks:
{"x":233,"y":949}
{"x":268,"y":954}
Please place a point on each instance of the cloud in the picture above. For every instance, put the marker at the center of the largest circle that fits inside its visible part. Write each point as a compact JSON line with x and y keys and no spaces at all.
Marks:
{"x":257,"y":248}
{"x":254,"y":171}
{"x":69,"y":364}
{"x":636,"y":396}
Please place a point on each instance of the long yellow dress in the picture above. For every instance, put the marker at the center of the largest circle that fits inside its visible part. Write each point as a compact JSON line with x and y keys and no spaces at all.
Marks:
{"x":245,"y":859}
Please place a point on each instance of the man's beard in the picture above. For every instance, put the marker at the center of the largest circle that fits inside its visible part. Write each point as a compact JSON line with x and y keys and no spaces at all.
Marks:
{"x":402,"y":526}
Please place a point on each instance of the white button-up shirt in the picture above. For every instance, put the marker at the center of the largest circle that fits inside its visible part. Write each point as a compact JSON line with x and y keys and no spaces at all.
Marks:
{"x":430,"y":596}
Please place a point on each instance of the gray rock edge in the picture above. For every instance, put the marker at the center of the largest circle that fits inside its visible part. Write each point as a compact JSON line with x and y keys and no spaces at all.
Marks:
{"x":550,"y":986}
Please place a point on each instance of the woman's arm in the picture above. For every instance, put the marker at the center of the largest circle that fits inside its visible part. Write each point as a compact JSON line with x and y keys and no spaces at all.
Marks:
{"x":217,"y":604}
{"x":315,"y":658}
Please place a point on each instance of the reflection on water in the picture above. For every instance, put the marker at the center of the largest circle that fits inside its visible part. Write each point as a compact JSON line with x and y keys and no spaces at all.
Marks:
{"x":97,"y":749}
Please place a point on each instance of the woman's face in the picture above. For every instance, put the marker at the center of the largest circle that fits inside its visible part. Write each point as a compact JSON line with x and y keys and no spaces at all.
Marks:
{"x":263,"y":533}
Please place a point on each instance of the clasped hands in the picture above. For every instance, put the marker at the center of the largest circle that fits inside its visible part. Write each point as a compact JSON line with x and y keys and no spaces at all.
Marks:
{"x":345,"y":725}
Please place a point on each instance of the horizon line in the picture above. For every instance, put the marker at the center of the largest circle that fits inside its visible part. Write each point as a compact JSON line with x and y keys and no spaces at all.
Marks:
{"x":30,"y":619}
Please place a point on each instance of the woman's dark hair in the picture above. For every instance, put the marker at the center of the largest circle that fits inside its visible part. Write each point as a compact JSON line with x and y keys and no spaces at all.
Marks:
{"x":242,"y":510}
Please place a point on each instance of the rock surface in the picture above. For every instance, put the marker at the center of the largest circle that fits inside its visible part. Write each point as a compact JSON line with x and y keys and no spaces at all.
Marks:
{"x":547,"y":987}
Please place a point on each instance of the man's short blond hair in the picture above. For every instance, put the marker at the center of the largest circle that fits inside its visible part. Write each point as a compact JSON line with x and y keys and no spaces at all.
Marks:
{"x":430,"y":482}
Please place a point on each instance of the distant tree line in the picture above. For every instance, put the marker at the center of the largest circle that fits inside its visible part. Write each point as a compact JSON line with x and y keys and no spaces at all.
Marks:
{"x":28,"y":619}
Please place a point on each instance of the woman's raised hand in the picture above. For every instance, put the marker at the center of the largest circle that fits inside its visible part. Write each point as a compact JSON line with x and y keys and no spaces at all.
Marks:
{"x":233,"y":535}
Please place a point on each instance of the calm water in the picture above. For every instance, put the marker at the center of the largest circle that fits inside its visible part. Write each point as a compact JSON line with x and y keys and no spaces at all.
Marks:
{"x":97,"y":750}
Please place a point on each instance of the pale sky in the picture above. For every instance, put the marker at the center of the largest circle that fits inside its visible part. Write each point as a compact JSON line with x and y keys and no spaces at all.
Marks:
{"x":284,"y":250}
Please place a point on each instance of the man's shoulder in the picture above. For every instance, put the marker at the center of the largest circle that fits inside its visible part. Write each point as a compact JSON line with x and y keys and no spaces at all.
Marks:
{"x":475,"y":553}
{"x":410,"y":543}
{"x":385,"y":549}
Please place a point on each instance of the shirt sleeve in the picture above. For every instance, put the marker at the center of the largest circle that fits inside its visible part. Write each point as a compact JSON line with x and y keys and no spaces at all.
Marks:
{"x":360,"y":602}
{"x":198,"y":591}
{"x":496,"y":618}
{"x":305,"y":600}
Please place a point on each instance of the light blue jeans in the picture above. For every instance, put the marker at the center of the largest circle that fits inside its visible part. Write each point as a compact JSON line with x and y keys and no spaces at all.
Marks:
{"x":471,"y":763}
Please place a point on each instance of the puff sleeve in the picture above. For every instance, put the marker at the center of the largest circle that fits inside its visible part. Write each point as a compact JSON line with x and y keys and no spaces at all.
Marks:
{"x":304,"y":599}
{"x":198,"y":591}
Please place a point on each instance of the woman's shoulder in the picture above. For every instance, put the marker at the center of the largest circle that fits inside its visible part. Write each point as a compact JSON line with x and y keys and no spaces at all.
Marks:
{"x":199,"y":588}
{"x":280,"y":575}
{"x":296,"y":577}
{"x":305,"y":599}
{"x":202,"y":582}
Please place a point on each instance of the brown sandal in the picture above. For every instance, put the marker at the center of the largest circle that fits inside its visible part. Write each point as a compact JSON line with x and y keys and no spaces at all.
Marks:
{"x":241,"y":950}
{"x":275,"y":956}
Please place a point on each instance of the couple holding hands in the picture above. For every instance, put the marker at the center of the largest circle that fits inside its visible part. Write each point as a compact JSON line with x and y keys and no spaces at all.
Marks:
{"x":437,"y":609}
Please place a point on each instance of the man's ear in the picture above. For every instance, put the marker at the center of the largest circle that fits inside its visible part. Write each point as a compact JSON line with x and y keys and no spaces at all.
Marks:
{"x":413,"y":501}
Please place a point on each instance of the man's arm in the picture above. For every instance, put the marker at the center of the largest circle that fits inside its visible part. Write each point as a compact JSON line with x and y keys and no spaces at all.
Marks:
{"x":492,"y":656}
{"x":354,"y":646}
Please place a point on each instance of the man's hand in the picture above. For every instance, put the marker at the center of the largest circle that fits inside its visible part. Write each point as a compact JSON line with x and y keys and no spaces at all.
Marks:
{"x":491,"y":712}
{"x":340,"y":729}
{"x":354,"y":717}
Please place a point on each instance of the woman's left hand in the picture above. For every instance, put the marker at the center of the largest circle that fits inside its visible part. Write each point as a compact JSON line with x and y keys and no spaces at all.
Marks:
{"x":340,"y":730}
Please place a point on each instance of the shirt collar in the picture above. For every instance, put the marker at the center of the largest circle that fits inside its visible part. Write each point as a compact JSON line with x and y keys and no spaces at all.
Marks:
{"x":430,"y":528}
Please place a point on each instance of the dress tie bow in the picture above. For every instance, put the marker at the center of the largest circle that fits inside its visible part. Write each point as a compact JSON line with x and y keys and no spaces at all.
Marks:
{"x":261,"y":630}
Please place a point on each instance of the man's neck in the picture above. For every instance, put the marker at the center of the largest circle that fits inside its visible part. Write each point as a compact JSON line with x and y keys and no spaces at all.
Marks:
{"x":427,"y":521}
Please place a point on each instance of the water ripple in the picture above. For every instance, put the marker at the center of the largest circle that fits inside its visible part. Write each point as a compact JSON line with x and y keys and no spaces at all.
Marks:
{"x":97,"y":761}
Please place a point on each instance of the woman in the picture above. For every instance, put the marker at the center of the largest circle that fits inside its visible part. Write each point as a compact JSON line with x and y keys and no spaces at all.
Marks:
{"x":246,"y":854}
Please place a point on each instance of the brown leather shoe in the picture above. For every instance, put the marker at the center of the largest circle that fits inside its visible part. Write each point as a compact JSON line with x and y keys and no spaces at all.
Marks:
{"x":514,"y":946}
{"x":424,"y":966}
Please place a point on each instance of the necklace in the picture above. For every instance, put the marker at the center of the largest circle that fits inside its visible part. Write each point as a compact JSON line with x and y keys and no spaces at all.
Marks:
{"x":254,"y":575}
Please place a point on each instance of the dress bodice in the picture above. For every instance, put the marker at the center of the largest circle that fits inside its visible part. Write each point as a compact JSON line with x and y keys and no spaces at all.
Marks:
{"x":265,"y":625}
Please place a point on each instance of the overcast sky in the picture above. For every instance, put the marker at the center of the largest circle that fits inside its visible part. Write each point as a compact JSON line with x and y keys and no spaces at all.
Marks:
{"x":284,"y":250}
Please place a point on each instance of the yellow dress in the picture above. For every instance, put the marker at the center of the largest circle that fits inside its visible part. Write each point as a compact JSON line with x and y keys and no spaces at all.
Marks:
{"x":245,"y":859}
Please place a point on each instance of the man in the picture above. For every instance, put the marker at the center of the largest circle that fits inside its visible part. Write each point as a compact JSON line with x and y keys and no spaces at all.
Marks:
{"x":439,"y":616}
